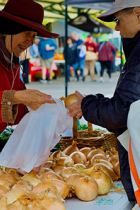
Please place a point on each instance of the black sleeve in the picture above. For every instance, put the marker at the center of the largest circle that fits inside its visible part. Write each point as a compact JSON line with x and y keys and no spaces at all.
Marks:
{"x":112,"y":113}
{"x":64,"y":53}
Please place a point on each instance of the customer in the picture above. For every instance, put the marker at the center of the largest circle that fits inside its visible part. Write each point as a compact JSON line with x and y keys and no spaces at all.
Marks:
{"x":34,"y":49}
{"x":79,"y":43}
{"x":25,"y":57}
{"x":19,"y":25}
{"x":106,"y":51}
{"x":112,"y":113}
{"x":46,"y":49}
{"x":91,"y":59}
{"x":72,"y":57}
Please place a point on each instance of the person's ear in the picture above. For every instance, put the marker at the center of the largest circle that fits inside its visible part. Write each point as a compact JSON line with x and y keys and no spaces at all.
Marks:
{"x":136,"y":11}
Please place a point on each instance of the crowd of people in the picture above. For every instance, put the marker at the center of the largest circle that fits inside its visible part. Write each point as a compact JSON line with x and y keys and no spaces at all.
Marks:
{"x":82,"y":55}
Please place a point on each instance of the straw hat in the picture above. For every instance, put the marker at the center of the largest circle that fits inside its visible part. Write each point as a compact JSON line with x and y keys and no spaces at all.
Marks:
{"x":23,"y":15}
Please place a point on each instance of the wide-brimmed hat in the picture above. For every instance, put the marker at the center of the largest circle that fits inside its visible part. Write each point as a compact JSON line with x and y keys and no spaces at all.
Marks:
{"x":27,"y":13}
{"x":117,"y":6}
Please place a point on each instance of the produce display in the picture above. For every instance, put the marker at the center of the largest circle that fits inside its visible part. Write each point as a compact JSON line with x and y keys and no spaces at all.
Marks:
{"x":84,"y":173}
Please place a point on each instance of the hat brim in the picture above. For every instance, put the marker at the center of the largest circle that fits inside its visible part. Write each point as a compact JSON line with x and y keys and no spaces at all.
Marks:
{"x":42,"y":32}
{"x":109,"y":15}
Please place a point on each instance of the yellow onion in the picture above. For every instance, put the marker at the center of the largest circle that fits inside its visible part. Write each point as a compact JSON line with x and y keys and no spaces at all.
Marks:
{"x":5,"y":183}
{"x":86,"y":172}
{"x":3,"y":203}
{"x":23,"y":184}
{"x":14,"y":194}
{"x":44,"y":186}
{"x":48,"y":164}
{"x":32,"y":177}
{"x":78,"y":157}
{"x":98,"y":156}
{"x":113,"y":160}
{"x":72,"y":98}
{"x":65,"y":173}
{"x":86,"y":189}
{"x":94,"y":152}
{"x":51,"y":203}
{"x":57,"y":153}
{"x":85,"y":151}
{"x":62,"y":188}
{"x":103,"y":161}
{"x":103,"y":181}
{"x":50,"y":174}
{"x":3,"y":190}
{"x":65,"y":161}
{"x":79,"y":166}
{"x":35,"y":206}
{"x":117,"y":169}
{"x":72,"y":180}
{"x":16,"y":206}
{"x":72,"y":148}
{"x":14,"y":173}
{"x":58,"y":169}
{"x":8,"y":178}
{"x":107,"y":169}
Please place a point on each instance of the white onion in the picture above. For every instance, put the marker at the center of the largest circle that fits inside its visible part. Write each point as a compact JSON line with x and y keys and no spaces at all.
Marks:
{"x":78,"y":157}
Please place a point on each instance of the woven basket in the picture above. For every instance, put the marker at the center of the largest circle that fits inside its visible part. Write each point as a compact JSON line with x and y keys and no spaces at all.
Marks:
{"x":81,"y":142}
{"x":110,"y":141}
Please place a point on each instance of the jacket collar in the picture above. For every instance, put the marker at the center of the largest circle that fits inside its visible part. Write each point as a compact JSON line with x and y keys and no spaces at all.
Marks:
{"x":5,"y":57}
{"x":129,"y":44}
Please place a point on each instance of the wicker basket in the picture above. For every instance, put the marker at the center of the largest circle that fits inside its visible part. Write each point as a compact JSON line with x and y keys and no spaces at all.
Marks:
{"x":81,"y":142}
{"x":110,"y":141}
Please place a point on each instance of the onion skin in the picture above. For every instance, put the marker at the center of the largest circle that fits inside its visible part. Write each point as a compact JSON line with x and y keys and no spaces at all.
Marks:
{"x":94,"y":152}
{"x":98,"y":156}
{"x":3,"y":190}
{"x":79,"y":166}
{"x":48,"y":164}
{"x":8,"y":178}
{"x":72,"y":98}
{"x":107,"y":169}
{"x":85,"y":151}
{"x":52,"y":203}
{"x":70,"y":149}
{"x":62,"y":188}
{"x":113,"y":160}
{"x":72,"y":180}
{"x":65,"y":161}
{"x":103,"y":161}
{"x":86,"y":189}
{"x":44,"y":186}
{"x":78,"y":157}
{"x":58,"y":169}
{"x":65,"y":173}
{"x":103,"y":181}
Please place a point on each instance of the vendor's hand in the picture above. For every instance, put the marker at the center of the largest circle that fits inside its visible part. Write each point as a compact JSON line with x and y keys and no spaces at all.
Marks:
{"x":75,"y":109}
{"x":32,"y":98}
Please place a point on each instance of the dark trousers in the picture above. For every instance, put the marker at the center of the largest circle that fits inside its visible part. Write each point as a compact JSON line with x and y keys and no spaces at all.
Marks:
{"x":106,"y":65}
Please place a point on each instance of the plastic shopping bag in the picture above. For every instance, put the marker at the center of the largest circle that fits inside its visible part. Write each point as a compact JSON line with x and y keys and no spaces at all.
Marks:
{"x":37,"y":133}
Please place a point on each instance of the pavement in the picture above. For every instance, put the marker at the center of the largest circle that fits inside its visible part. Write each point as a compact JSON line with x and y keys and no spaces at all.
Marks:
{"x":57,"y":87}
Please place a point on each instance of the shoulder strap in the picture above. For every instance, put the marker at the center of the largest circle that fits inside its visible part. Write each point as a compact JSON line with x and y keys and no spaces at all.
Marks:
{"x":101,"y":46}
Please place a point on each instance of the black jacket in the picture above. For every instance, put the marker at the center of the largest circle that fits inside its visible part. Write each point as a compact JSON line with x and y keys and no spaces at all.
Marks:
{"x":72,"y":54}
{"x":112,"y":113}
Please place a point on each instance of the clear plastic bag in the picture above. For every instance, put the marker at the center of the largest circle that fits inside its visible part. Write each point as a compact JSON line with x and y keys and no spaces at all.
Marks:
{"x":37,"y":133}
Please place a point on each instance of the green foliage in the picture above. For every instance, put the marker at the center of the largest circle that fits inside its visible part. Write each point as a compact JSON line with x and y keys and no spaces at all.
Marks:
{"x":48,"y":27}
{"x":82,"y":127}
{"x":5,"y":135}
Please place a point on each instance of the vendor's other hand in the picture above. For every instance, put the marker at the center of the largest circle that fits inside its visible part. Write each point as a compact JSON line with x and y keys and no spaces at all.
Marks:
{"x":32,"y":98}
{"x":75,"y":109}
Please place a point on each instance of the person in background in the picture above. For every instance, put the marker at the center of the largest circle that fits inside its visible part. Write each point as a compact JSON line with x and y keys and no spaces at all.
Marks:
{"x":34,"y":49}
{"x":79,"y":43}
{"x":46,"y":49}
{"x":25,"y":57}
{"x":72,"y":57}
{"x":106,"y":51}
{"x":90,"y":64}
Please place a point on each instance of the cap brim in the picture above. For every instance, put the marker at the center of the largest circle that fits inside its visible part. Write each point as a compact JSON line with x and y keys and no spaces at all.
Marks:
{"x":42,"y":32}
{"x":109,"y":15}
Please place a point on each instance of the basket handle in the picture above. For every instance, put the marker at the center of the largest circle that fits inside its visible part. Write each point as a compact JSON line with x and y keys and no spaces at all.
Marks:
{"x":75,"y":130}
{"x":90,"y":126}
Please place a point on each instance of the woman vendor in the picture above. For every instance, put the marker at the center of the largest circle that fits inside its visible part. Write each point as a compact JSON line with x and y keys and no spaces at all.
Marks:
{"x":20,"y":22}
{"x":112,"y":113}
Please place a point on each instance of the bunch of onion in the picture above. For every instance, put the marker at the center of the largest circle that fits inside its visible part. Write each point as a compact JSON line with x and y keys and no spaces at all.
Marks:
{"x":17,"y":205}
{"x":94,"y":152}
{"x":3,"y":203}
{"x":113,"y":159}
{"x":13,"y":172}
{"x":65,"y":173}
{"x":5,"y":183}
{"x":114,"y":151}
{"x":86,"y":189}
{"x":56,"y":153}
{"x":23,"y":184}
{"x":107,"y":169}
{"x":103,"y":161}
{"x":98,"y":156}
{"x":62,"y":188}
{"x":3,"y":190}
{"x":103,"y":180}
{"x":78,"y":157}
{"x":85,"y":151}
{"x":14,"y":195}
{"x":50,"y":174}
{"x":32,"y":177}
{"x":34,"y":206}
{"x":70,"y":149}
{"x":71,"y":181}
{"x":64,"y":161}
{"x":79,"y":166}
{"x":117,"y":169}
{"x":86,"y":172}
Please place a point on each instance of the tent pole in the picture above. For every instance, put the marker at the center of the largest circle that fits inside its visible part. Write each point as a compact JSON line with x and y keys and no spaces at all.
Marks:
{"x":66,"y":47}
